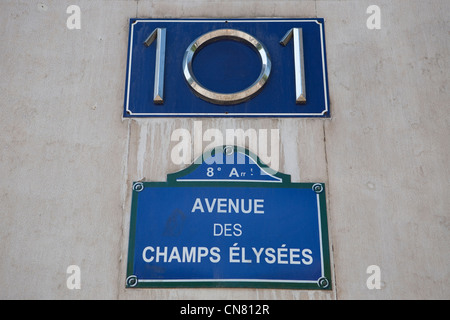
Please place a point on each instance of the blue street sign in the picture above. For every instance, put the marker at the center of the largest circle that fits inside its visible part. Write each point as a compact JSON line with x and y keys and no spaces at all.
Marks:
{"x":226,"y":68}
{"x":228,"y":220}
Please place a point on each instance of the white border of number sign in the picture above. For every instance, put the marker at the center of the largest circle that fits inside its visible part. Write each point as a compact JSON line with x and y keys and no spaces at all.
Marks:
{"x":127,"y":106}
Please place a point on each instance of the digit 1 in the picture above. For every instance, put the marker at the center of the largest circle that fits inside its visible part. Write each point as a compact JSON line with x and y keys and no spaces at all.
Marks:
{"x":160,"y":35}
{"x":297,"y":34}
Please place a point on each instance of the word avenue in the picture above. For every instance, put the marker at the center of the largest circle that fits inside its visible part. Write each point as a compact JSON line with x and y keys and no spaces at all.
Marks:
{"x":223,"y":205}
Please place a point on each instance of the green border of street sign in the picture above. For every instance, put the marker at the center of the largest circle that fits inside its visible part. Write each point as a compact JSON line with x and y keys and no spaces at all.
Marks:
{"x":322,"y":283}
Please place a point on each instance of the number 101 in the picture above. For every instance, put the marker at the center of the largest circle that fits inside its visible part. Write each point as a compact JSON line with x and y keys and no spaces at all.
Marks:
{"x":159,"y":34}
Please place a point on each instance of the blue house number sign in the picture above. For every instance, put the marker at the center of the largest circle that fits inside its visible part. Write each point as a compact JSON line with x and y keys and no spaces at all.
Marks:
{"x":228,"y":220}
{"x":226,"y":68}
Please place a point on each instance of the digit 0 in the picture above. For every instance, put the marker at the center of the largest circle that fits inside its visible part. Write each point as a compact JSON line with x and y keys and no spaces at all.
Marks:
{"x":226,"y":98}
